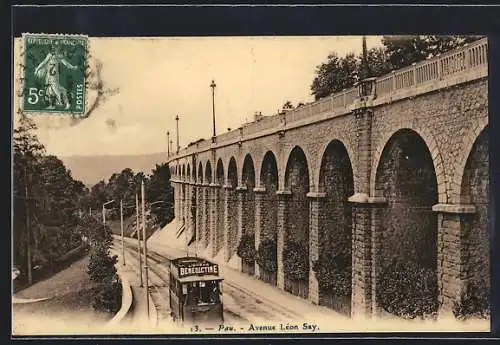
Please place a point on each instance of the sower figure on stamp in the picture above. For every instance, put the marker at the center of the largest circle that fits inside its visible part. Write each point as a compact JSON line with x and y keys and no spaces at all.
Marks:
{"x":48,"y":70}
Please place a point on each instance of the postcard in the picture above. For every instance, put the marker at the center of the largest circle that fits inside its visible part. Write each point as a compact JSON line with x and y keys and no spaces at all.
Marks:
{"x":250,"y":185}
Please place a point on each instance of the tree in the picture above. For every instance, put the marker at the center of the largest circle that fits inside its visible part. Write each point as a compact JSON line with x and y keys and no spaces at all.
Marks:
{"x":334,"y":75}
{"x":159,"y":190}
{"x":27,"y":154}
{"x":402,"y":51}
{"x":287,"y":105}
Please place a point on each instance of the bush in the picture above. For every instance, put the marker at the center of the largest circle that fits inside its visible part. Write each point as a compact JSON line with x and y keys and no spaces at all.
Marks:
{"x":101,"y":265}
{"x":474,"y":302}
{"x":267,"y":255}
{"x":296,"y":261}
{"x":408,"y":290}
{"x":333,"y":272}
{"x":108,"y":296}
{"x":246,"y":248}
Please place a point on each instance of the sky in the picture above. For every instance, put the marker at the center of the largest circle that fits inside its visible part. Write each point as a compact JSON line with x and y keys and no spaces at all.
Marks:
{"x":159,"y":78}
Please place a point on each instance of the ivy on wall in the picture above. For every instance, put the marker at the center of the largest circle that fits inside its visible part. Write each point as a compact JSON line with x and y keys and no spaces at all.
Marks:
{"x":246,"y":248}
{"x":333,"y":271}
{"x":267,"y":255}
{"x":296,"y":261}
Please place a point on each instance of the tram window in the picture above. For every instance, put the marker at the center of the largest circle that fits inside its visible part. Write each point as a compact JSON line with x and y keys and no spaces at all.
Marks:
{"x":209,"y":293}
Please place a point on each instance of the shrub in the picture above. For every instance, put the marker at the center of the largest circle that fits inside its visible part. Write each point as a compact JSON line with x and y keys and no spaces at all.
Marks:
{"x":101,"y":265}
{"x":474,"y":302}
{"x":246,"y":248}
{"x":296,"y":261}
{"x":267,"y":255}
{"x":333,"y":272}
{"x":408,"y":290}
{"x":108,"y":296}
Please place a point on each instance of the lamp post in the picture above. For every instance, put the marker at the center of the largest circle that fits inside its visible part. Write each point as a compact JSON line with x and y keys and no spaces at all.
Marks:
{"x":168,"y":144}
{"x":177,"y":124}
{"x":213,"y":85}
{"x":144,"y":237}
{"x":104,"y":211}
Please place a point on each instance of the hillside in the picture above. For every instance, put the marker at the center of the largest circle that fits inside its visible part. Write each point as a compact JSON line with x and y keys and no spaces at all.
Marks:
{"x":92,"y":169}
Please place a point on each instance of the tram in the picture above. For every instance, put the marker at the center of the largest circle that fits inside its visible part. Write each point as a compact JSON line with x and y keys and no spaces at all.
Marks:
{"x":195,"y":291}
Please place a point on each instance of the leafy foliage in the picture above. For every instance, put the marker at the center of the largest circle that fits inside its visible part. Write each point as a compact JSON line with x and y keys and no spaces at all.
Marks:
{"x":101,"y":265}
{"x":408,"y":290}
{"x":108,"y":297}
{"x":246,"y":248}
{"x":474,"y":302}
{"x":159,"y":192}
{"x":47,"y":198}
{"x":333,"y":272}
{"x":267,"y":255}
{"x":296,"y":261}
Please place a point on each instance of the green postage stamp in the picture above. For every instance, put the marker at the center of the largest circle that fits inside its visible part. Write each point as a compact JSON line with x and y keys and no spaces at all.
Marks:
{"x":54,"y":74}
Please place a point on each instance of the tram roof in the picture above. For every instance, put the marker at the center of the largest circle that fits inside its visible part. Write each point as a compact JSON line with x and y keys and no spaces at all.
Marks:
{"x":189,"y":261}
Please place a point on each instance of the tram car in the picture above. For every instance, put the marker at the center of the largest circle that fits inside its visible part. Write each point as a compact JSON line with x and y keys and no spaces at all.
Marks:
{"x":195,"y":291}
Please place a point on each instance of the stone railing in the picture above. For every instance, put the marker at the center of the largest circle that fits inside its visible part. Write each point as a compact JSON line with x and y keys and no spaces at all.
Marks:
{"x":456,"y":62}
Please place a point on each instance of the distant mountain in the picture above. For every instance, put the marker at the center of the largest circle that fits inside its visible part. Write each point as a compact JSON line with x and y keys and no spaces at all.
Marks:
{"x":92,"y":169}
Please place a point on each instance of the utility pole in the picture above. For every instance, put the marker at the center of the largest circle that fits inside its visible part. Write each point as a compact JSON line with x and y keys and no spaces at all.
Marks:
{"x":213,"y":109}
{"x":177,"y":124}
{"x":144,"y":237}
{"x":28,"y":228}
{"x":137,"y":228}
{"x":121,"y":227}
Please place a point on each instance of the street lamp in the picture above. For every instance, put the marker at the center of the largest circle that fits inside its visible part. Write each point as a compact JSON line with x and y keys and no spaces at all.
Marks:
{"x":177,"y":124}
{"x":213,"y":85}
{"x":168,"y":144}
{"x":104,"y":211}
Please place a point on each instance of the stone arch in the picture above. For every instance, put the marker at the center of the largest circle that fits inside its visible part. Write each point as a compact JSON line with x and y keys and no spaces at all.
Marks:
{"x":269,"y":212}
{"x":232,"y":173}
{"x":208,"y":173}
{"x":336,"y":180}
{"x":321,"y":154}
{"x":467,"y":144}
{"x":406,"y":228}
{"x":200,"y":173}
{"x":219,"y":176}
{"x":286,"y":160}
{"x":297,"y":221}
{"x":219,"y":205}
{"x":433,"y":148}
{"x":248,"y":209}
{"x":194,"y":176}
{"x":474,"y":227}
{"x":232,"y":207}
{"x":188,"y":173}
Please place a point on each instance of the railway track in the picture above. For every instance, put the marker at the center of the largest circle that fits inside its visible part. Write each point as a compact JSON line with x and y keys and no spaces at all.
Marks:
{"x":239,"y":302}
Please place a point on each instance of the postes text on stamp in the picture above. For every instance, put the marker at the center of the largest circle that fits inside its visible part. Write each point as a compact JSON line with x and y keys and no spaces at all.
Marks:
{"x":54,"y":73}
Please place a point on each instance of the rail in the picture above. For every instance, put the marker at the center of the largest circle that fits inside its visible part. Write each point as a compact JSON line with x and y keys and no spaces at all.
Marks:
{"x":465,"y":59}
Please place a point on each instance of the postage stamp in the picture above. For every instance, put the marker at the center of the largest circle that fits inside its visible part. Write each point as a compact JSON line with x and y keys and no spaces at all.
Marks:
{"x":54,"y":73}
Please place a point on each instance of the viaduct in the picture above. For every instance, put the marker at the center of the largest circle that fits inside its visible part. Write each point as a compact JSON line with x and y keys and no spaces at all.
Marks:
{"x":396,"y":167}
